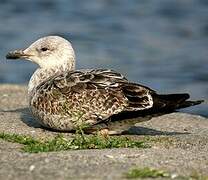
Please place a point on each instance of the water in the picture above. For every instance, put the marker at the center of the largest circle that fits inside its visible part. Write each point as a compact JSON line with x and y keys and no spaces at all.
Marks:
{"x":162,"y":44}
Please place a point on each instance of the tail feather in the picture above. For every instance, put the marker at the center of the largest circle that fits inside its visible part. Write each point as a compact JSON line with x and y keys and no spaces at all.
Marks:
{"x":171,"y":102}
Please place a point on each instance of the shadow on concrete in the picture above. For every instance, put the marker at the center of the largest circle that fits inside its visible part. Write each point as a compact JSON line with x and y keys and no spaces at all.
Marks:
{"x":123,"y":123}
{"x":137,"y":130}
{"x":26,"y":117}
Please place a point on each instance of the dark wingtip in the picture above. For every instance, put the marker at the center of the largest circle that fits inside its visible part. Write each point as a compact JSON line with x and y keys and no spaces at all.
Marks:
{"x":174,"y":97}
{"x":186,"y":95}
{"x":176,"y":101}
{"x":190,"y":103}
{"x":198,"y":102}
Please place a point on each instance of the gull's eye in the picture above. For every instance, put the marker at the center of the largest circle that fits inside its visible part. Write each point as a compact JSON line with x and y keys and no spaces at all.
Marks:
{"x":44,"y":49}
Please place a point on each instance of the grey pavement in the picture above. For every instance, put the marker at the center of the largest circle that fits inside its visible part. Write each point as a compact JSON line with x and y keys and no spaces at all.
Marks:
{"x":183,"y":148}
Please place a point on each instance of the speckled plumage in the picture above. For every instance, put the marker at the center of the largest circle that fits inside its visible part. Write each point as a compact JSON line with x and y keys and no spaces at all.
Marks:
{"x":63,"y":98}
{"x":88,"y":97}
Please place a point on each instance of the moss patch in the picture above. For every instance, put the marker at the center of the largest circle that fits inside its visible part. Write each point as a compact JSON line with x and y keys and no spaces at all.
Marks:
{"x":142,"y":173}
{"x":146,"y":173}
{"x":196,"y":176}
{"x":79,"y":141}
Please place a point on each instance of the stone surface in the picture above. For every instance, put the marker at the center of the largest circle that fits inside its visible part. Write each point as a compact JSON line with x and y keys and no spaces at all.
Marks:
{"x":183,"y":150}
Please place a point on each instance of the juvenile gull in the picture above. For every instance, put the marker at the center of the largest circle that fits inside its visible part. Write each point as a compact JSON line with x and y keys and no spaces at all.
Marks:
{"x":63,"y":98}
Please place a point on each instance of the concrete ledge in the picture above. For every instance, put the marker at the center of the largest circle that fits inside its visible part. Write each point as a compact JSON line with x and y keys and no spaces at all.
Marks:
{"x":184,"y":150}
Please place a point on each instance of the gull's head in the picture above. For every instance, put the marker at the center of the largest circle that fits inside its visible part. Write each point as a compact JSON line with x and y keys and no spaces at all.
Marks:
{"x":47,"y":52}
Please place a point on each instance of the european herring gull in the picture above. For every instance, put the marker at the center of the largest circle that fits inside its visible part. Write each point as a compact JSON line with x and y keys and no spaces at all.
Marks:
{"x":64,"y":99}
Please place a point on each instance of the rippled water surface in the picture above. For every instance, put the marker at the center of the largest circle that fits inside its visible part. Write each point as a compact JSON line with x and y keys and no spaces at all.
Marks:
{"x":162,"y":44}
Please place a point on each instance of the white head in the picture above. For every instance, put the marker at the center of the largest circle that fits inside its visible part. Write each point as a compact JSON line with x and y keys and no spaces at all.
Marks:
{"x":48,"y":52}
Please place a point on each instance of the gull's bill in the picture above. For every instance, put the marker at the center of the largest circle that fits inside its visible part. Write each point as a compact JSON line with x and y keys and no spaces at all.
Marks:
{"x":17,"y":54}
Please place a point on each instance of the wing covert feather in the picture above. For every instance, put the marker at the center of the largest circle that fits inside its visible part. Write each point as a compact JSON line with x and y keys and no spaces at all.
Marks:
{"x":97,"y":94}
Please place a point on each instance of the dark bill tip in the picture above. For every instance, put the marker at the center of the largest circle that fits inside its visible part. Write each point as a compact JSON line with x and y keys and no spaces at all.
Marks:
{"x":17,"y":54}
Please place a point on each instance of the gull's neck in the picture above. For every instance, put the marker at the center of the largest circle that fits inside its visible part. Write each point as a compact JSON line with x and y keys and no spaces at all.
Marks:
{"x":42,"y":74}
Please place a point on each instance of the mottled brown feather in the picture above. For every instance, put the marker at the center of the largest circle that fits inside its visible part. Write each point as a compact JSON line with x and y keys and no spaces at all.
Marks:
{"x":91,"y":96}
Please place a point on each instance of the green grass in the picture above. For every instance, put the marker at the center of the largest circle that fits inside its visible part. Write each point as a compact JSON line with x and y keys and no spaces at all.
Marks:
{"x":196,"y":176}
{"x":146,"y":173}
{"x":142,"y":173}
{"x":79,"y":141}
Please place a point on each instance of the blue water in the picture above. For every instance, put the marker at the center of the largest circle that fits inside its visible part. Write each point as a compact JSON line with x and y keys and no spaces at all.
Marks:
{"x":162,"y":44}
